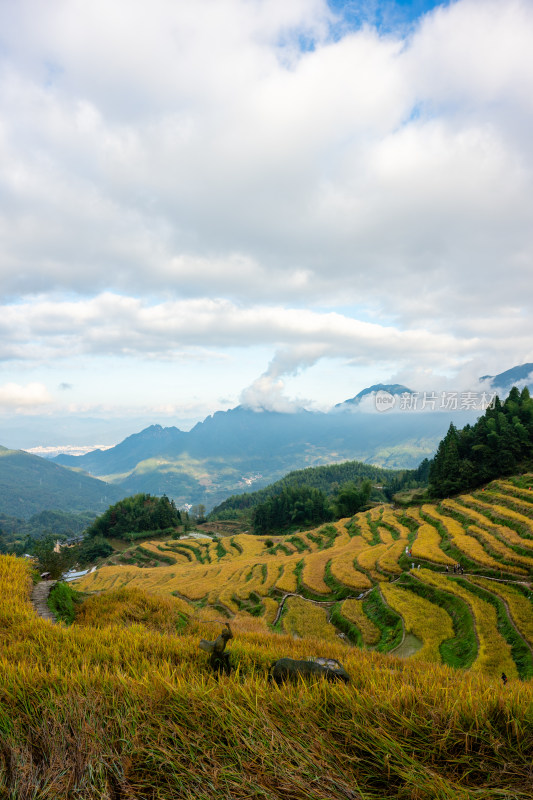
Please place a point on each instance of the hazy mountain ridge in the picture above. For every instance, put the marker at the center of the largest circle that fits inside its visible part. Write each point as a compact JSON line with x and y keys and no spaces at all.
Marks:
{"x":523,"y":373}
{"x":391,"y":388}
{"x":29,"y":484}
{"x":230,"y":452}
{"x":217,"y":457}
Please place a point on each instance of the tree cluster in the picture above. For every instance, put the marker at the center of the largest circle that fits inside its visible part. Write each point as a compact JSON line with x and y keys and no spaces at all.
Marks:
{"x":293,"y":506}
{"x":329,"y":480}
{"x":500,"y":443}
{"x":136,"y":514}
{"x":52,"y":561}
{"x":350,"y":499}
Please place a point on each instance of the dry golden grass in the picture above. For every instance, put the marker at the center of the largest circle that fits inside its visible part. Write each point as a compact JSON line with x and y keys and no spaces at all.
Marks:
{"x":303,"y":618}
{"x":385,"y":535}
{"x":271,"y":609}
{"x":287,"y":581}
{"x":474,"y":509}
{"x":494,"y":655}
{"x":467,"y":544}
{"x":427,"y":545}
{"x":368,"y":558}
{"x":342,"y":565}
{"x":353,"y":611}
{"x":313,"y":571}
{"x":390,"y":518}
{"x":414,"y":513}
{"x":510,"y":490}
{"x":505,"y":552}
{"x":249,"y":567}
{"x":95,"y":714}
{"x":509,"y":513}
{"x":251,"y":546}
{"x":343,"y":537}
{"x":129,"y":606}
{"x":388,"y":562}
{"x":426,"y":620}
{"x":520,"y":608}
{"x":160,"y":549}
{"x":361,"y":523}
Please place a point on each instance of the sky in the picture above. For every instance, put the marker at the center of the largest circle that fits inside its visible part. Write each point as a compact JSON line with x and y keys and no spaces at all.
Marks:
{"x":257,"y":201}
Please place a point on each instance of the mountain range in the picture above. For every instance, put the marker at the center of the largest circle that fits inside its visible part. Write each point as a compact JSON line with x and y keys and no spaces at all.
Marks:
{"x":241,"y":449}
{"x":29,"y":484}
{"x":230,"y":452}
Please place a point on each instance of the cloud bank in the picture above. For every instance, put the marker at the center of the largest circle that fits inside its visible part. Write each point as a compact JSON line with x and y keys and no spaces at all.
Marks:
{"x":178,"y":177}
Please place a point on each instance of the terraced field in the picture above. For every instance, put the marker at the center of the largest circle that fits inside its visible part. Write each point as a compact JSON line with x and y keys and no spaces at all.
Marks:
{"x":371,"y":580}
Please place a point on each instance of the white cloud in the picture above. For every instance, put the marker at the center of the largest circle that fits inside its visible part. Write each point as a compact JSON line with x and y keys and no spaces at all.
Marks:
{"x":261,"y":170}
{"x":115,"y":325}
{"x":25,"y":399}
{"x":194,"y":155}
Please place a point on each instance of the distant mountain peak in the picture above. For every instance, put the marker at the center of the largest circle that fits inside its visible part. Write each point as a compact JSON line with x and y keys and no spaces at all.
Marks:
{"x":505,"y":380}
{"x":392,"y":388}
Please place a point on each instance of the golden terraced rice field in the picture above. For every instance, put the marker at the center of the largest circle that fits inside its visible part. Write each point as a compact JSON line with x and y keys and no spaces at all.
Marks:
{"x":246,"y":578}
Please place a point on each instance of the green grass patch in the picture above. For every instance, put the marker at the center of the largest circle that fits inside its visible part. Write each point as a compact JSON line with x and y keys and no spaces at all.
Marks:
{"x":519,"y":649}
{"x":298,"y":543}
{"x":373,"y":525}
{"x":329,"y":534}
{"x":63,"y":600}
{"x":251,"y":605}
{"x":221,"y":550}
{"x":388,"y":621}
{"x":460,"y":651}
{"x":351,"y":631}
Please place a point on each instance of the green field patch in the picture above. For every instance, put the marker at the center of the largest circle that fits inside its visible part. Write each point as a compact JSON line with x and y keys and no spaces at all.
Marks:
{"x":351,"y":631}
{"x":298,"y":543}
{"x":519,"y":650}
{"x":388,"y":621}
{"x":462,"y":650}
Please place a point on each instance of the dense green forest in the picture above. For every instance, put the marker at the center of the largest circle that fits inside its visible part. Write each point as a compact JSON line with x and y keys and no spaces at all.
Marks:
{"x":294,"y":505}
{"x":500,"y":443}
{"x":329,"y":480}
{"x":136,"y":514}
{"x":302,"y":505}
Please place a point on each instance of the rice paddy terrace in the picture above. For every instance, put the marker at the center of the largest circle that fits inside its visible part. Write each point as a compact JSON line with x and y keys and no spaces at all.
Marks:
{"x":383,"y":580}
{"x":122,"y":705}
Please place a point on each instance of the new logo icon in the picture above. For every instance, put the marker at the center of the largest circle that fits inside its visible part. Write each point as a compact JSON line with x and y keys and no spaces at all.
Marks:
{"x":384,"y":400}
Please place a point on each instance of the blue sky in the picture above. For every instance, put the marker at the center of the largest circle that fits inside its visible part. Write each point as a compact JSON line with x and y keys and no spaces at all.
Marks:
{"x":257,"y":201}
{"x":385,"y":16}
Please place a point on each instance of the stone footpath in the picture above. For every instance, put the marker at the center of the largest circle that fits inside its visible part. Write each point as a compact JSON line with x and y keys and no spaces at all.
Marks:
{"x":39,"y":596}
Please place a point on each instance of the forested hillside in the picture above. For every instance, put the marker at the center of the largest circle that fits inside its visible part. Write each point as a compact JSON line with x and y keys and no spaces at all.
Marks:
{"x":137,"y":514}
{"x":328,"y":480}
{"x":29,"y":485}
{"x":500,"y":443}
{"x":17,"y":535}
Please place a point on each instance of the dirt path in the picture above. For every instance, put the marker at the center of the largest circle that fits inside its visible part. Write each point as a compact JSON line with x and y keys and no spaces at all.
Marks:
{"x":39,"y":596}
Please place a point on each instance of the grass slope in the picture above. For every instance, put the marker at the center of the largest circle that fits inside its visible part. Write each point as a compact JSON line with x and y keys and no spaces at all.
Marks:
{"x":91,"y":713}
